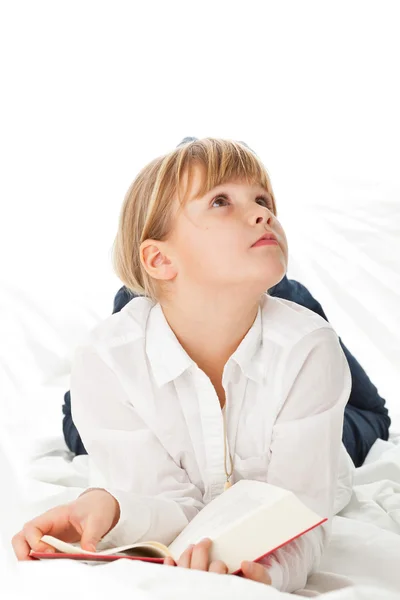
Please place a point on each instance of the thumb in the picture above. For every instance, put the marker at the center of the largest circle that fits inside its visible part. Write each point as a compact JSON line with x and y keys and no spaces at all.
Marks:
{"x":93,"y":530}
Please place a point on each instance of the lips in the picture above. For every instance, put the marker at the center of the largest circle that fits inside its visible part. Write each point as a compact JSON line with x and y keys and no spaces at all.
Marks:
{"x":266,"y":236}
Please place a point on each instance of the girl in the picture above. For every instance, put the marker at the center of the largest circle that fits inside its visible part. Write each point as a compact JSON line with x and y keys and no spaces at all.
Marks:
{"x":206,"y":379}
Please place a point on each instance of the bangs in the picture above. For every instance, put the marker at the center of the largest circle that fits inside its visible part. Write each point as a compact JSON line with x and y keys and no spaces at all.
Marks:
{"x":221,"y":161}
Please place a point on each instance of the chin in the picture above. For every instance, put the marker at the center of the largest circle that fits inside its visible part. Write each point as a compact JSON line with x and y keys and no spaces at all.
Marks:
{"x":267,"y":285}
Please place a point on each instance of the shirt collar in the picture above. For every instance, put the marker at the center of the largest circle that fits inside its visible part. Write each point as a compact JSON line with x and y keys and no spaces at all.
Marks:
{"x":248,"y":355}
{"x":168,"y":359}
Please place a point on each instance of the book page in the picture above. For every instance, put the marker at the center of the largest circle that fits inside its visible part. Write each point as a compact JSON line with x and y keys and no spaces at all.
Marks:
{"x":233,"y":505}
{"x":150,"y":549}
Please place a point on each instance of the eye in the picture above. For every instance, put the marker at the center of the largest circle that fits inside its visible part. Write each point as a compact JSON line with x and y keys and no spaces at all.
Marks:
{"x":216,"y":199}
{"x":265,"y":199}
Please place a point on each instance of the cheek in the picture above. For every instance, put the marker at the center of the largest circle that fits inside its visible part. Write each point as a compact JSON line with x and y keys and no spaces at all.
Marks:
{"x":207,"y":244}
{"x":230,"y":247}
{"x":195,"y":248}
{"x":286,"y":248}
{"x":209,"y":253}
{"x":284,"y":243}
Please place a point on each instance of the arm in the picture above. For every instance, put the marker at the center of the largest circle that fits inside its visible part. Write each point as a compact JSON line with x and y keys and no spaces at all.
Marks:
{"x":71,"y":434}
{"x":305,"y":448}
{"x":366,"y":416}
{"x":156,"y":498}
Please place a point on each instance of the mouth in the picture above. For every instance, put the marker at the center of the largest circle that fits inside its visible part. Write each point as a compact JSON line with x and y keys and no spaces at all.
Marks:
{"x":267,"y":239}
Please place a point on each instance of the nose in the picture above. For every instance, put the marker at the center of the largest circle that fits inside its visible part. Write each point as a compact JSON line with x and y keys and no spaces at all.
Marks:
{"x":260,"y":214}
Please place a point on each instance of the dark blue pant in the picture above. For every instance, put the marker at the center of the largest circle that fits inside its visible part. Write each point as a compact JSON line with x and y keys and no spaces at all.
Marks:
{"x":365,"y":418}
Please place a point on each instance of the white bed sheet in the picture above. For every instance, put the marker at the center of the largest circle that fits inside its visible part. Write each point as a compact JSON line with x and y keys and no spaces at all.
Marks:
{"x":361,"y":559}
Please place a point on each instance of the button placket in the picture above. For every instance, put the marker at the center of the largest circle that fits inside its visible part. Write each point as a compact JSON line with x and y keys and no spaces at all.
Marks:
{"x":213,"y":431}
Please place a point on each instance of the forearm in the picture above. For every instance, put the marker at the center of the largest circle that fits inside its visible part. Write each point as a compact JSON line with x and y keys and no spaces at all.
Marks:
{"x":144,"y":518}
{"x":155,"y":495}
{"x":306,"y":451}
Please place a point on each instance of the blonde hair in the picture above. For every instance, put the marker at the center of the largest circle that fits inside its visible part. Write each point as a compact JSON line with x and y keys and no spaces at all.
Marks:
{"x":146,"y":212}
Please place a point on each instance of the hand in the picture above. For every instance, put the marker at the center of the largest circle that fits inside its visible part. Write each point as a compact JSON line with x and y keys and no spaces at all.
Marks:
{"x":88,"y":518}
{"x":197,"y":557}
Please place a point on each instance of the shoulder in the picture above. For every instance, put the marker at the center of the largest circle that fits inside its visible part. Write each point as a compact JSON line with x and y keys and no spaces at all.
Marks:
{"x":300,"y":340}
{"x":311,"y":364}
{"x":123,"y":327}
{"x":287,"y":323}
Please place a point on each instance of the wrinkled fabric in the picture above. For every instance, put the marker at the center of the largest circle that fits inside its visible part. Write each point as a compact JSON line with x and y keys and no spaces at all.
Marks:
{"x":366,"y":417}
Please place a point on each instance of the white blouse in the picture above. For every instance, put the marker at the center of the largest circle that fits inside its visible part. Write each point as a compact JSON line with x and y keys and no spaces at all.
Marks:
{"x":152,"y":424}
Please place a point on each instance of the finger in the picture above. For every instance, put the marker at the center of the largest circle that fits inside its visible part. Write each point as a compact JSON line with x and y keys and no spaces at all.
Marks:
{"x":217,"y":566}
{"x":256,"y":572}
{"x":200,"y":558}
{"x":93,"y":530}
{"x":169,"y":561}
{"x":33,"y":536}
{"x":21,"y":547}
{"x":52,"y":522}
{"x":186,"y":557}
{"x":77,"y":524}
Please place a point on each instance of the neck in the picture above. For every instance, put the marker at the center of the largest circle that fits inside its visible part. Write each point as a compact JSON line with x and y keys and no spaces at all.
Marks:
{"x":211,"y":328}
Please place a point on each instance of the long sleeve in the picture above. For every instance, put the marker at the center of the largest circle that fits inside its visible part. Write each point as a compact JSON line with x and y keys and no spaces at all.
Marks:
{"x":366,"y":416}
{"x":70,"y":432}
{"x":156,"y":498}
{"x":306,"y":445}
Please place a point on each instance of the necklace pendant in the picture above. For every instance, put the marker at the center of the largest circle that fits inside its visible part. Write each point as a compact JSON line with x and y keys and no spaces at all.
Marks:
{"x":227,"y":485}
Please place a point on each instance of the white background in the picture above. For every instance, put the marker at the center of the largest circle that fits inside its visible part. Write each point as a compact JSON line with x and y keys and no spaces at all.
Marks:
{"x":92,"y":91}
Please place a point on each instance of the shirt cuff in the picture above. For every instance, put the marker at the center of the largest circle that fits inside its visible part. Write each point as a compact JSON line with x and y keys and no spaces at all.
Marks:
{"x":134,"y":520}
{"x":274,"y":570}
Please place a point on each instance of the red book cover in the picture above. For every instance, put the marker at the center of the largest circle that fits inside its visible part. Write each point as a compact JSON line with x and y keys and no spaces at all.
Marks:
{"x":111,"y":557}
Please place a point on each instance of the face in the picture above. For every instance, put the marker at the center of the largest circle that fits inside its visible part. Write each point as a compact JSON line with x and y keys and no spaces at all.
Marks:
{"x":212,"y":239}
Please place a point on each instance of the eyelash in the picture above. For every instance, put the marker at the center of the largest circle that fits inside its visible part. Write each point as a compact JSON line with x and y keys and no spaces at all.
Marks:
{"x":266,"y":200}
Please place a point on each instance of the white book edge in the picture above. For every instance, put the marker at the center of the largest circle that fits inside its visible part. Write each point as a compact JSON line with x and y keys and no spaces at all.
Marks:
{"x":71,"y":549}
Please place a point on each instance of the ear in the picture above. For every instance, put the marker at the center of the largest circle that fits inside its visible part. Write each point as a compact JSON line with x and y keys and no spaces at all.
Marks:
{"x":156,"y":261}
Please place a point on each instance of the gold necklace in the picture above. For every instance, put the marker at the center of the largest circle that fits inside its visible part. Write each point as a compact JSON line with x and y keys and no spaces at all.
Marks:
{"x":228,"y":475}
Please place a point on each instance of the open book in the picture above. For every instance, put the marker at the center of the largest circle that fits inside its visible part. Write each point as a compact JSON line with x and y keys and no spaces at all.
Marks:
{"x":246,"y":522}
